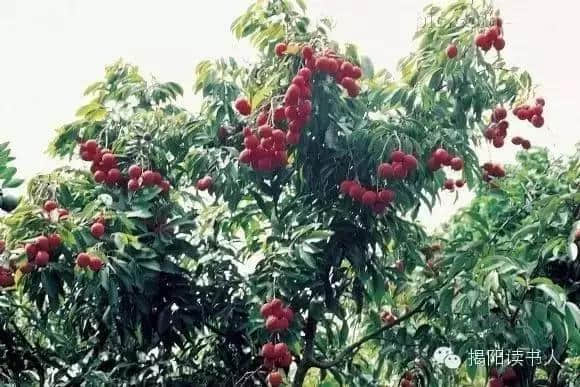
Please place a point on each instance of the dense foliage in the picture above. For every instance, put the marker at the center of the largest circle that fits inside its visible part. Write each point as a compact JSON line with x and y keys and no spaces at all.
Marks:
{"x":160,"y":255}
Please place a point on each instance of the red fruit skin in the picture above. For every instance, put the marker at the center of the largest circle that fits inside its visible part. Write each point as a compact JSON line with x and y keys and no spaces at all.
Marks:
{"x":251,"y":142}
{"x":541,"y":101}
{"x":356,"y":192}
{"x":500,"y":113}
{"x":275,"y":379}
{"x":280,"y":349}
{"x":42,"y":243}
{"x":113,"y":176}
{"x":493,"y":33}
{"x":291,"y":113}
{"x":537,"y":121}
{"x":299,"y":81}
{"x":262,"y":119}
{"x":348,"y":83}
{"x":345,"y":187}
{"x":266,"y":310}
{"x":441,"y":155}
{"x":386,"y":196}
{"x":526,"y":144}
{"x":353,"y":91}
{"x":134,"y":171}
{"x":292,"y":95}
{"x":108,"y":160}
{"x":537,"y":110}
{"x":265,"y":131}
{"x":410,"y":162}
{"x":50,"y":205}
{"x":307,"y":52}
{"x":83,"y":260}
{"x":293,"y":138}
{"x":517,"y":140}
{"x":499,"y":43}
{"x":451,"y":51}
{"x":243,"y":106}
{"x":285,"y":360}
{"x":288,"y":314}
{"x":280,"y":49}
{"x":449,"y":184}
{"x":279,"y":114}
{"x":493,"y":382}
{"x":433,"y":164}
{"x":247,"y":131}
{"x":385,"y":171}
{"x":268,"y":351}
{"x":91,"y":146}
{"x":379,"y":208}
{"x":54,"y":241}
{"x":369,"y":198}
{"x":498,"y":142}
{"x":30,"y":250}
{"x":305,"y":73}
{"x":157,"y":178}
{"x":272,"y":323}
{"x":498,"y":21}
{"x":97,"y":230}
{"x":456,"y":164}
{"x":165,"y":186}
{"x":133,"y":185}
{"x":246,"y":156}
{"x":41,"y":259}
{"x":95,"y":264}
{"x":356,"y":72}
{"x":399,"y":170}
{"x":459,"y":183}
{"x":481,"y":40}
{"x":2,"y":246}
{"x":397,"y":156}
{"x":99,"y":176}
{"x":148,"y":178}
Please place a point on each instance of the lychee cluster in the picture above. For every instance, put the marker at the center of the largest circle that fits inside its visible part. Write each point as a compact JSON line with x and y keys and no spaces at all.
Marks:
{"x":402,"y":164}
{"x":491,"y":170}
{"x":106,"y":170}
{"x":276,"y":355}
{"x":532,"y":113}
{"x":492,"y":36}
{"x":375,"y":199}
{"x":441,"y":157}
{"x":93,"y":262}
{"x":265,"y":149}
{"x":40,"y":251}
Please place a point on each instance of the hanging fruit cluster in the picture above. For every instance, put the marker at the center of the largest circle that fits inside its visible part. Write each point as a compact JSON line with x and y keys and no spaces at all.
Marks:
{"x":265,"y":150}
{"x":407,"y":380}
{"x":374,"y":198}
{"x":276,"y":354}
{"x":6,"y":277}
{"x":51,"y":206}
{"x":493,"y":36}
{"x":441,"y":157}
{"x":518,"y":140}
{"x":491,"y":170}
{"x":93,"y":262}
{"x":532,"y":113}
{"x":496,"y":132}
{"x":106,"y":170}
{"x":41,"y":251}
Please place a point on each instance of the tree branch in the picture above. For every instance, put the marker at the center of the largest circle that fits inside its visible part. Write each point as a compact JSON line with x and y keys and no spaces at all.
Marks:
{"x":356,"y":345}
{"x":306,"y":362}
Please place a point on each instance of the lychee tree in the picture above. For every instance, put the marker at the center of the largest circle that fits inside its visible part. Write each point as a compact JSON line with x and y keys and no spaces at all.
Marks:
{"x":271,"y":233}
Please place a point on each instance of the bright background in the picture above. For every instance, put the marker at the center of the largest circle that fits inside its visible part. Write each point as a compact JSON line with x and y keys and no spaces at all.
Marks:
{"x":51,"y":50}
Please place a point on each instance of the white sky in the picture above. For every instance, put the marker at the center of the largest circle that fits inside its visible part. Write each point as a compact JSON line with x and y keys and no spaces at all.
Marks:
{"x":51,"y":50}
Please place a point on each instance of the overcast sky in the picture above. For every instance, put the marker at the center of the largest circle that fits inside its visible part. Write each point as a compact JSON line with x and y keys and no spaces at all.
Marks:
{"x":51,"y":50}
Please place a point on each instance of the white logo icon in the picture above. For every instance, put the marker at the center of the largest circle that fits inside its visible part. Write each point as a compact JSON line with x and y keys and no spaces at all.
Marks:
{"x":444,"y":355}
